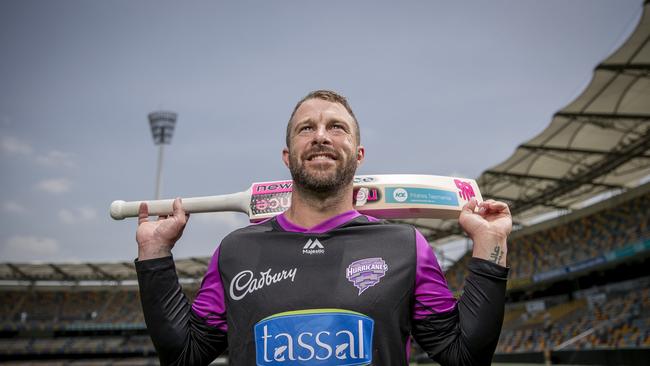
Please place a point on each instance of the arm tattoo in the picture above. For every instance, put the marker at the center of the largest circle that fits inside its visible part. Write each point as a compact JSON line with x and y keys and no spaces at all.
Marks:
{"x":496,"y":255}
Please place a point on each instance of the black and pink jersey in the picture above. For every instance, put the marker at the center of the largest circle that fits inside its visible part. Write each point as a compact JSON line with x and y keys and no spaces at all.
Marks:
{"x":349,"y":291}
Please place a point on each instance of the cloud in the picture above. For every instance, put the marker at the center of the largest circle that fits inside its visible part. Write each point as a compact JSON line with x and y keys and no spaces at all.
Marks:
{"x":56,"y":158}
{"x":27,"y":248}
{"x":13,"y":207}
{"x":12,"y":145}
{"x":76,"y":215}
{"x":56,"y":185}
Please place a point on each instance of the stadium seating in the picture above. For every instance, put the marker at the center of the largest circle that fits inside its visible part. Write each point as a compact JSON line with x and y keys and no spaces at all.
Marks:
{"x":570,"y":243}
{"x":623,"y":320}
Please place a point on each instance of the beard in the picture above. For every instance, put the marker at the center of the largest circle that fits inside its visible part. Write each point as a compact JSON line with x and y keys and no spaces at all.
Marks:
{"x":322,"y":182}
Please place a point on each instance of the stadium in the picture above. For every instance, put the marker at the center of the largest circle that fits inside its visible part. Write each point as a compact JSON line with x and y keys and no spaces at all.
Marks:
{"x":579,"y":286}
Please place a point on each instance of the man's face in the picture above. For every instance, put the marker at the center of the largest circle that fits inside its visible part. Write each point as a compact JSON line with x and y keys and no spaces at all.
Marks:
{"x":323,"y":154}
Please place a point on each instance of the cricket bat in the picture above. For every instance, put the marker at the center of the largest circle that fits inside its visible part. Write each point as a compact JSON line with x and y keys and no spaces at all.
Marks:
{"x":389,"y":196}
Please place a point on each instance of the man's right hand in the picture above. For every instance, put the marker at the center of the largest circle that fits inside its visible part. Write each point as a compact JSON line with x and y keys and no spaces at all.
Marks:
{"x":157,"y":238}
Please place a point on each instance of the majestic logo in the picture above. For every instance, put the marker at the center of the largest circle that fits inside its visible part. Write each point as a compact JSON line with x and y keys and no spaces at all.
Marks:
{"x":245,"y":283}
{"x":314,"y":337}
{"x":465,"y":190}
{"x":313,"y":247}
{"x":366,"y":273}
{"x":400,"y":195}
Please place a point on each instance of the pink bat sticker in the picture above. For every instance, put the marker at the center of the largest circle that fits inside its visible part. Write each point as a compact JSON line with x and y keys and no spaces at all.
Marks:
{"x":272,"y":187}
{"x":465,"y":189}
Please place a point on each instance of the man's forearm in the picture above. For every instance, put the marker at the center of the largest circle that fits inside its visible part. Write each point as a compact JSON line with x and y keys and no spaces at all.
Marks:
{"x":153,"y":253}
{"x":492,"y":250}
{"x":469,"y":334}
{"x":179,"y":335}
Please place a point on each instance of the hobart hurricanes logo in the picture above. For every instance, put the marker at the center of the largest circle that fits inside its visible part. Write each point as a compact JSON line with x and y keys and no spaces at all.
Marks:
{"x":324,"y":337}
{"x":366,"y":273}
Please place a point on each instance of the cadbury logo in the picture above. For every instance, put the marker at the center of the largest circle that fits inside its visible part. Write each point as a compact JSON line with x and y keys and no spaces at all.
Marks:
{"x":245,"y":283}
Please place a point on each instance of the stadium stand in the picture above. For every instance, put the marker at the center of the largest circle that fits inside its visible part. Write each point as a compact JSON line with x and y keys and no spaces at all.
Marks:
{"x":571,"y":243}
{"x":70,"y":324}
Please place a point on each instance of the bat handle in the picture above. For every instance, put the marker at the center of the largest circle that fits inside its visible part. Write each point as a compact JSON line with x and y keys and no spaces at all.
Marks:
{"x":228,"y":202}
{"x":121,"y":209}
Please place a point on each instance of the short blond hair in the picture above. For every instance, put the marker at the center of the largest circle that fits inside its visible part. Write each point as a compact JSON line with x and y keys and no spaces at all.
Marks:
{"x":329,"y":96}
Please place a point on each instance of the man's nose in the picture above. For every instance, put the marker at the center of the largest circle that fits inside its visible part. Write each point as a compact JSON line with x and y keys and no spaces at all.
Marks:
{"x":321,"y":136}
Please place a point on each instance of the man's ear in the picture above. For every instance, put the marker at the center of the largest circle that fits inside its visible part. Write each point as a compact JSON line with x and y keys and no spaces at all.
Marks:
{"x":285,"y":156}
{"x":361,"y":154}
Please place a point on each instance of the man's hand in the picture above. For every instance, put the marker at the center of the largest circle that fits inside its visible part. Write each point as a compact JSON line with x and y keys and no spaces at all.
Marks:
{"x":488,"y":228}
{"x":157,"y":238}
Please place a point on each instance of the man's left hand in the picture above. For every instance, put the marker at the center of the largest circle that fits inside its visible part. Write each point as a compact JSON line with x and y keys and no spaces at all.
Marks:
{"x":488,"y":228}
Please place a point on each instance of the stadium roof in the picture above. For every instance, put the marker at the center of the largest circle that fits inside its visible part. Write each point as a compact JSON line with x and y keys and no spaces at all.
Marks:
{"x":599,"y":143}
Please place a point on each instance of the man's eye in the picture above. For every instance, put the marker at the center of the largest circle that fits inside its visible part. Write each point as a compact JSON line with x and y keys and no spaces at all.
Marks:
{"x":305,"y":128}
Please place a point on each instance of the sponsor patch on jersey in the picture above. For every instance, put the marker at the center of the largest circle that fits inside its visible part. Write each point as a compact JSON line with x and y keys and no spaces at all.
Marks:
{"x":323,"y":337}
{"x":313,"y":246}
{"x":366,"y":273}
{"x":245,"y":282}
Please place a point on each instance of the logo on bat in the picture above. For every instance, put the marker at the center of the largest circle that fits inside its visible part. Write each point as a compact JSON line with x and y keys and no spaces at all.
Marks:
{"x":400,"y":195}
{"x":363,"y":179}
{"x":270,"y":203}
{"x":465,"y":189}
{"x":364,"y":195}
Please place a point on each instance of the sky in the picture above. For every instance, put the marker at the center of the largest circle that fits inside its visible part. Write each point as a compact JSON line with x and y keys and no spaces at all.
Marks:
{"x":444,"y":88}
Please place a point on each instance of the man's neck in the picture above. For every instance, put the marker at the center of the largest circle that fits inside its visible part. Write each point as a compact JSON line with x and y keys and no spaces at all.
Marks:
{"x":308,"y":210}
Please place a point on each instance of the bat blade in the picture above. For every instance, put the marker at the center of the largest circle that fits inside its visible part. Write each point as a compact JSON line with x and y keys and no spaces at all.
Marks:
{"x":389,"y":196}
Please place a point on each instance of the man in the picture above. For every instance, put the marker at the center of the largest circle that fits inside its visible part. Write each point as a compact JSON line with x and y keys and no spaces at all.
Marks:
{"x":322,"y":284}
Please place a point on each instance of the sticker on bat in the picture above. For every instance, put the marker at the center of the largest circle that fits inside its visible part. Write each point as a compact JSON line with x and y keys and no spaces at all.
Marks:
{"x":272,"y":187}
{"x":423,"y":196}
{"x":465,"y":190}
{"x":270,"y":203}
{"x":363,"y":195}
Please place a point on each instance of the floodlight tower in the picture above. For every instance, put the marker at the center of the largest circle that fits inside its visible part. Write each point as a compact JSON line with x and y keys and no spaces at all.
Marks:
{"x":162,"y":127}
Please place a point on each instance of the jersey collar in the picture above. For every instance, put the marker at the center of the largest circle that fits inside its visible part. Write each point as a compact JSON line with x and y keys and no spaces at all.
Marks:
{"x":327,"y":225}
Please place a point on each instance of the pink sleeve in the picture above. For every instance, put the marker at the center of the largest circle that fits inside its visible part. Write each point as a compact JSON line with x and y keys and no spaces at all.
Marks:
{"x":210,"y":302}
{"x":432,"y":295}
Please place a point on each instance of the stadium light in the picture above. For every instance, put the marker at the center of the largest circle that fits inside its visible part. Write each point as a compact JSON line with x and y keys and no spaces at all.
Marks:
{"x":162,"y":128}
